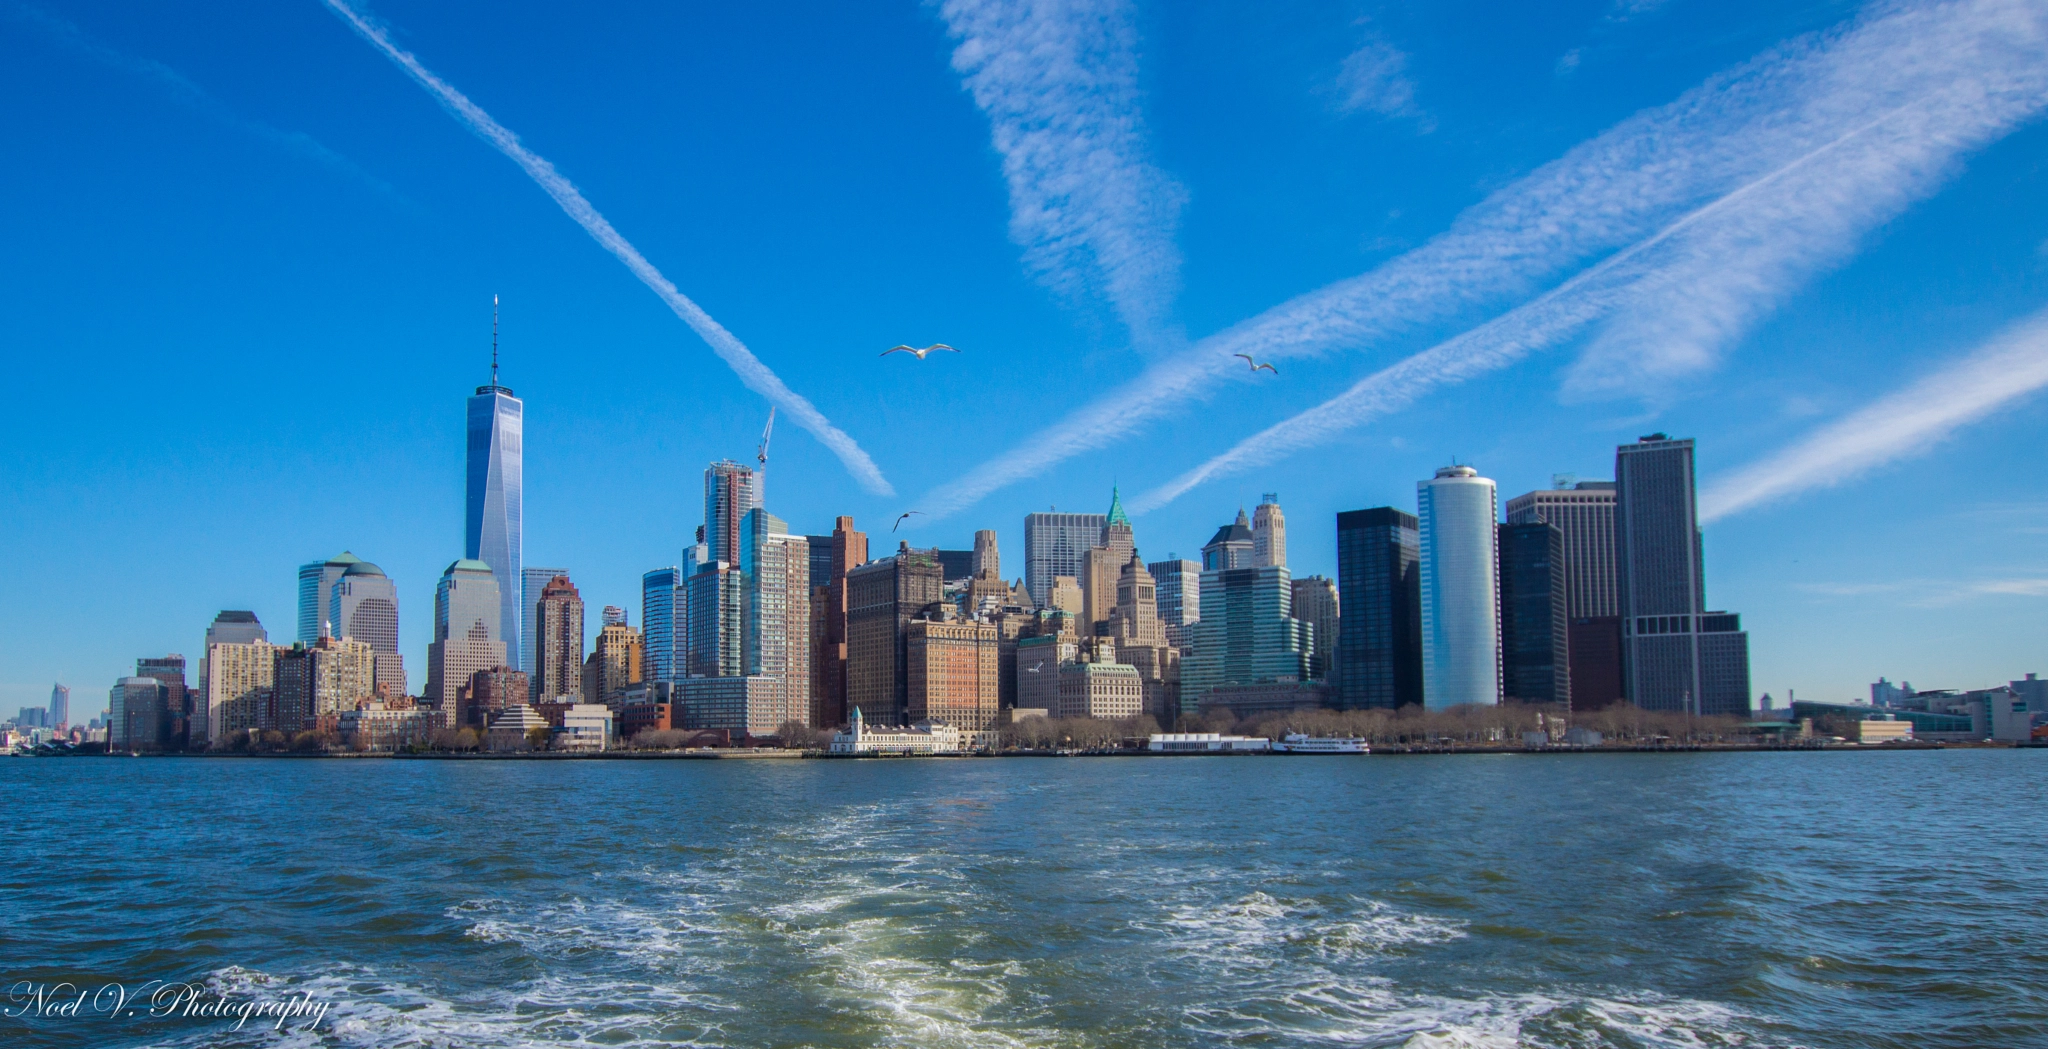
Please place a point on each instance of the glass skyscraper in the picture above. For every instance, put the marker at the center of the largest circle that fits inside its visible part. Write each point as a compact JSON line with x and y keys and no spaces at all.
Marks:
{"x":1380,"y":642}
{"x":660,"y":600}
{"x":1057,"y":544}
{"x":1675,"y":653}
{"x":316,"y":587}
{"x":492,"y":526}
{"x":1455,"y":514}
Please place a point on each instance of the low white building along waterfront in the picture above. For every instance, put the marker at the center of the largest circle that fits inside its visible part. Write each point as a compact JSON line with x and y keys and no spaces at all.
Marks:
{"x":585,"y":726}
{"x":925,"y":737}
{"x":1207,"y":743}
{"x":509,"y":729}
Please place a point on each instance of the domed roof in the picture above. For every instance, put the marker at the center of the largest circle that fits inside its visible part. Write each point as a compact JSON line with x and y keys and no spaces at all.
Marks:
{"x":469,"y":564}
{"x":344,"y":558}
{"x":362,"y":568}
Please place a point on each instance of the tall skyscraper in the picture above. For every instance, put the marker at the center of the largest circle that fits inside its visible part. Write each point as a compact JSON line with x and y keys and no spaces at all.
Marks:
{"x":1315,"y":603}
{"x":988,"y":561}
{"x":1676,"y":655}
{"x":728,"y":495}
{"x":1269,"y":533}
{"x":135,"y":714}
{"x":60,"y":707}
{"x":659,"y":603}
{"x":230,"y":627}
{"x":1180,"y":596}
{"x":849,"y":549}
{"x":1057,"y":544}
{"x":493,"y":530}
{"x":1233,"y":546}
{"x":558,"y":643}
{"x":1456,"y":516}
{"x":775,"y":568}
{"x":1533,"y":625}
{"x":531,"y":582}
{"x":363,"y":604}
{"x":882,"y":597}
{"x":1247,"y":634}
{"x":316,"y":585}
{"x":1104,"y":565}
{"x":1583,"y":514}
{"x":175,"y":726}
{"x":1380,"y":642}
{"x":467,"y":616}
{"x":1584,"y":518}
{"x":1141,"y":640}
{"x":714,"y":645}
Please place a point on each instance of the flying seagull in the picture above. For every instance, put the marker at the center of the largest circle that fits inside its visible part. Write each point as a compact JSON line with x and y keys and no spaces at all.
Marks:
{"x":1256,"y":365}
{"x":920,"y":353}
{"x":901,"y":517}
{"x":1034,"y":667}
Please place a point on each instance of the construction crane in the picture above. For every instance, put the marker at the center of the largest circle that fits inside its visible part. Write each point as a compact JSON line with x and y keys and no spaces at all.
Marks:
{"x":761,"y":456}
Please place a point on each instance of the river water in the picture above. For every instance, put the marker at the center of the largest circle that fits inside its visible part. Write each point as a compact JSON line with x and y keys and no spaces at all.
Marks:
{"x":1754,"y":899}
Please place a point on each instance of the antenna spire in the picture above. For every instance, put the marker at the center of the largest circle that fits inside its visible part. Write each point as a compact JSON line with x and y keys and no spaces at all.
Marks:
{"x":494,"y":340}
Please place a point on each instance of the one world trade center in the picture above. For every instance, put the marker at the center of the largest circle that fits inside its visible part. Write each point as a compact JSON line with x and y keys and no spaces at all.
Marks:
{"x":492,"y":525}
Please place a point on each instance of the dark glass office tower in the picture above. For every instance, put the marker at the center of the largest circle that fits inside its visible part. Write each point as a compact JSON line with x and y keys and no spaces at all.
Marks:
{"x":1675,"y":655}
{"x":1534,"y":627}
{"x":1379,"y":579}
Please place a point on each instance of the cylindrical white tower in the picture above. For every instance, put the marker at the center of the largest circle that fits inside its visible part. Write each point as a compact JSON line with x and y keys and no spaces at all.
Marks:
{"x":1456,"y":513}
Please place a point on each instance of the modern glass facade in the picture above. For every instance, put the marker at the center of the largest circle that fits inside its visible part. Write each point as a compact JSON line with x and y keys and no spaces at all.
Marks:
{"x":1056,"y":544}
{"x":1456,"y":514}
{"x":1180,"y":597}
{"x":658,"y":623}
{"x":1669,"y":661}
{"x":363,"y":604}
{"x":728,"y":494}
{"x":1584,"y":515}
{"x":316,"y":586}
{"x":1247,"y":634}
{"x":467,"y":614}
{"x":1380,"y":634}
{"x":493,"y":522}
{"x":1534,"y":629}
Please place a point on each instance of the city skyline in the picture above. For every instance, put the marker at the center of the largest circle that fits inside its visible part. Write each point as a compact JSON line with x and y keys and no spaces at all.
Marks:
{"x":623,"y":409}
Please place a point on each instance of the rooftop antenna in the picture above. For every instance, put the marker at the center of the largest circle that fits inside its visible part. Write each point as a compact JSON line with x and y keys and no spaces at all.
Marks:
{"x":494,"y":340}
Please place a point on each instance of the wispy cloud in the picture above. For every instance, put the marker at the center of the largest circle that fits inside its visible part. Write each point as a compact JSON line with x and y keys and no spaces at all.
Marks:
{"x":181,"y":88}
{"x":1869,"y":86}
{"x":1058,"y":80}
{"x":1908,"y":422}
{"x":1932,"y":593}
{"x":741,"y":360}
{"x":1374,"y":79}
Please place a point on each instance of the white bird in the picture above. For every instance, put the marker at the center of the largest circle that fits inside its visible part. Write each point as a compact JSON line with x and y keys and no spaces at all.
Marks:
{"x":1034,"y":667}
{"x":919,"y":352}
{"x":1256,"y":365}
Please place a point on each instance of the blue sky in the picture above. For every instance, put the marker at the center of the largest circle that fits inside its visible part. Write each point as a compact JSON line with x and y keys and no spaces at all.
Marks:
{"x":251,"y":261}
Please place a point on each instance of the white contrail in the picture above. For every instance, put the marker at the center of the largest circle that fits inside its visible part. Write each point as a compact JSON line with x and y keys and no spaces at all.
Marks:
{"x":1614,"y":190}
{"x":1550,"y":318}
{"x":2013,"y":364}
{"x":749,"y":368}
{"x":1058,"y":80}
{"x":185,"y":91}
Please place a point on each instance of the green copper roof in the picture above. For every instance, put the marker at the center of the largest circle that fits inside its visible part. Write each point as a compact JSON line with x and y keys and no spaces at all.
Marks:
{"x":1116,"y":508}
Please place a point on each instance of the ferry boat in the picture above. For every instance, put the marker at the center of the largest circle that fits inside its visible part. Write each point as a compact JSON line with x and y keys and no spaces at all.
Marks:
{"x":1302,"y":743}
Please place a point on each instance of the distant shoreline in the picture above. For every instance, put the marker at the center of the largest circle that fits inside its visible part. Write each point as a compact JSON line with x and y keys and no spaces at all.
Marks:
{"x":758,"y":754}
